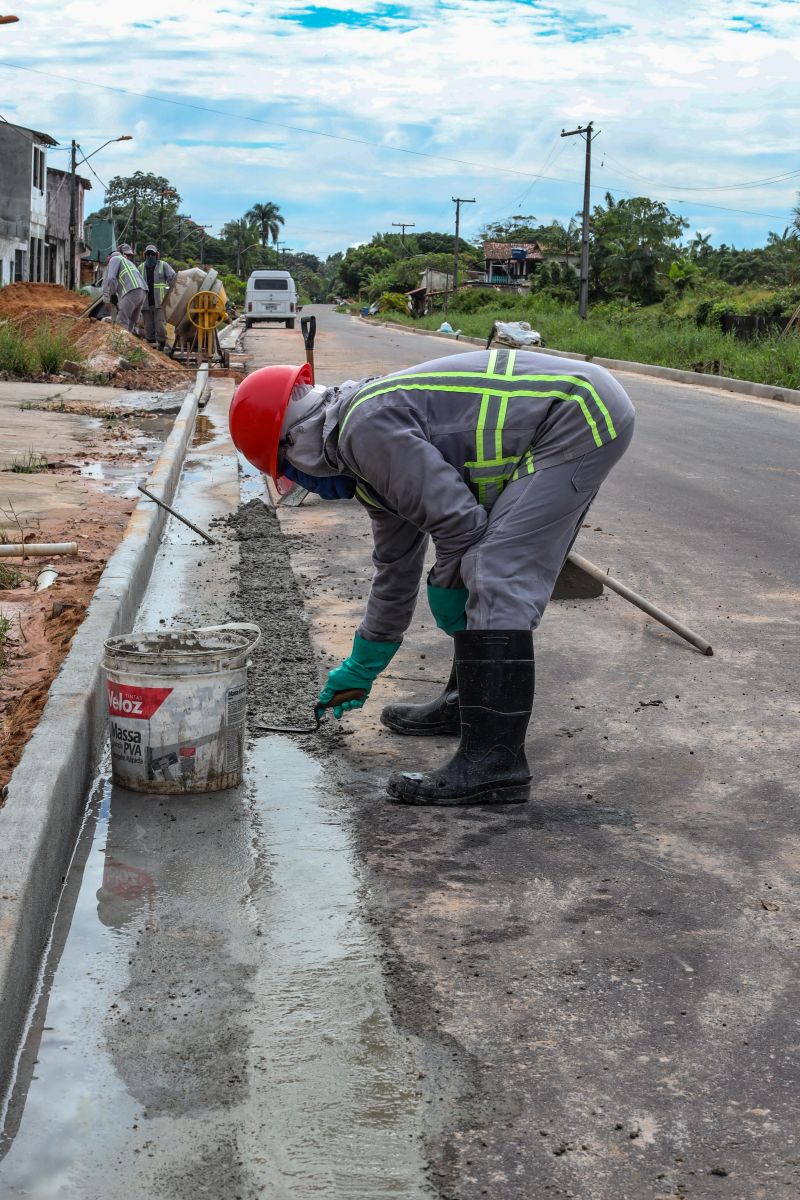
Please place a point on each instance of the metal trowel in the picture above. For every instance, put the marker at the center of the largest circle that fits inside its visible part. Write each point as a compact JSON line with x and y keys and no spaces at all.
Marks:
{"x":319,"y":712}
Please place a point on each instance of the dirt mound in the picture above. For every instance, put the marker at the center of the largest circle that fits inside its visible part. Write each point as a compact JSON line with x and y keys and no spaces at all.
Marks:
{"x":103,"y":349}
{"x":18,"y":298}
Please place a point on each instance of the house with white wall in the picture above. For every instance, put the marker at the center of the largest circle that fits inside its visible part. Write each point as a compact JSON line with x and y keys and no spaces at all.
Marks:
{"x":34,"y":210}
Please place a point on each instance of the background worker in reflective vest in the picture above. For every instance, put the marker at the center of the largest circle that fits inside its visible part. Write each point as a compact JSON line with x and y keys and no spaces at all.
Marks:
{"x":158,"y":277}
{"x":493,"y":455}
{"x":124,"y":288}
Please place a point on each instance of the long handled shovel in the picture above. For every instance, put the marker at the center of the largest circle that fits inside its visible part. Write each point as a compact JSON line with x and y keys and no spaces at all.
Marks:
{"x":647,"y":606}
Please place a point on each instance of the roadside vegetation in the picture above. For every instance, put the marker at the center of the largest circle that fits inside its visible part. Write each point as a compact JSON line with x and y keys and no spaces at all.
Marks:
{"x":41,"y":353}
{"x":648,"y":335}
{"x":29,"y":463}
{"x":655,"y":295}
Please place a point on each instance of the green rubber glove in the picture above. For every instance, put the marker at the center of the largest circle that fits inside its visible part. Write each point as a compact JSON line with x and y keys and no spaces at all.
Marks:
{"x":360,"y":670}
{"x":448,"y":606}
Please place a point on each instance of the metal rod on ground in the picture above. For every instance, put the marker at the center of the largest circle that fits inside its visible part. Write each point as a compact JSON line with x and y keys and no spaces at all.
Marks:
{"x":34,"y":550}
{"x":150,"y":496}
{"x":639,"y":601}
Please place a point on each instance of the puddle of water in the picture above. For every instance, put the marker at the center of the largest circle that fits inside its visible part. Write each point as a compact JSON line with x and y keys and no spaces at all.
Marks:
{"x":204,"y":430}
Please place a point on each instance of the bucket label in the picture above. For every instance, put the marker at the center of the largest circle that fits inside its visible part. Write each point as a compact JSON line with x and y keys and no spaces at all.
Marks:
{"x":137,"y":703}
{"x":127,"y":742}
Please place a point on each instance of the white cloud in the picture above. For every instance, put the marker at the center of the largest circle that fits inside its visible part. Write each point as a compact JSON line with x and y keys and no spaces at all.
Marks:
{"x":682,"y":99}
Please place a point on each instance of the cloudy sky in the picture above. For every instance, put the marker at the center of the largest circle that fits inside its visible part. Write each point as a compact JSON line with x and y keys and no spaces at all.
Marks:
{"x":360,"y":113}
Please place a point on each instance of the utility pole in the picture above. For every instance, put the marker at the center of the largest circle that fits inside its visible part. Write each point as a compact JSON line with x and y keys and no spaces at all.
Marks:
{"x":458,"y":201}
{"x":202,"y":229}
{"x":73,"y":217}
{"x":403,"y":226}
{"x":164,"y":192}
{"x":588,"y":134}
{"x":133,"y":231}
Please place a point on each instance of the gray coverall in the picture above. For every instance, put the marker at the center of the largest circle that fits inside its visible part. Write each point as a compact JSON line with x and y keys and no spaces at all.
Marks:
{"x":495,"y":455}
{"x":123,"y":280}
{"x":157,"y":283}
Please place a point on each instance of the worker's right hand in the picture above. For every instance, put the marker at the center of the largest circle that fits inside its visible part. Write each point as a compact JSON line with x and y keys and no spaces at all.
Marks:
{"x":359,"y":670}
{"x":448,"y":606}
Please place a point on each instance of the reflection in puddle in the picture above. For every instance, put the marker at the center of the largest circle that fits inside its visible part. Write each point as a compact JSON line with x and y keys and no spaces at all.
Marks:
{"x":204,"y":430}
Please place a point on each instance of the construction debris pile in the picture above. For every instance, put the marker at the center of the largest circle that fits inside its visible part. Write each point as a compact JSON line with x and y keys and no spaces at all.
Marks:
{"x":101,"y":351}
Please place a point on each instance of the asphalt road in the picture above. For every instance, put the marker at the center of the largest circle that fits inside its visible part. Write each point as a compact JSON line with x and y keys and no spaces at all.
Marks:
{"x":601,"y":987}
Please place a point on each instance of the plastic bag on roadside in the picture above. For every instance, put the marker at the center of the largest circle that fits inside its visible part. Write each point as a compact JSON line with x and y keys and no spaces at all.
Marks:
{"x":516,"y":333}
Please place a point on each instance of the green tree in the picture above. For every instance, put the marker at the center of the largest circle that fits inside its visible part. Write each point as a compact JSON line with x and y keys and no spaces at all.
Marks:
{"x":267,"y":217}
{"x":632,"y":243}
{"x":700,"y":247}
{"x":243,"y":247}
{"x":145,"y":207}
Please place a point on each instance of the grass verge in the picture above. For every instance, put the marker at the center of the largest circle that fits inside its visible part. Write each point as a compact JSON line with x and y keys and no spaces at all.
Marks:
{"x":645,"y":336}
{"x":41,"y":353}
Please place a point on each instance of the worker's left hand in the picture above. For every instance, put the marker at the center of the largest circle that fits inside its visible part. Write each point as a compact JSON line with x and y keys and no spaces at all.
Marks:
{"x":359,"y":670}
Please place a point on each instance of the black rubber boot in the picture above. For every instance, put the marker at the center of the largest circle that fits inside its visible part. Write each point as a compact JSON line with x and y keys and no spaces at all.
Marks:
{"x":437,"y":718}
{"x":495,"y":671}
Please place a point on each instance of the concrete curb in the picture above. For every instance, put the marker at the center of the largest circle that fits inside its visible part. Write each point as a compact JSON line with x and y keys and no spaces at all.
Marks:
{"x":763,"y":391}
{"x":46,"y":791}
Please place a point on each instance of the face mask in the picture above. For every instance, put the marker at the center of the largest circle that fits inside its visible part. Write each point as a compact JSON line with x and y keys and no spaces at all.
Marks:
{"x":329,"y":487}
{"x":150,"y":258}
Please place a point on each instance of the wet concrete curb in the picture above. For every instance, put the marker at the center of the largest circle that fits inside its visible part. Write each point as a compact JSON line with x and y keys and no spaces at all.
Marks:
{"x":39,"y":820}
{"x":761,"y":391}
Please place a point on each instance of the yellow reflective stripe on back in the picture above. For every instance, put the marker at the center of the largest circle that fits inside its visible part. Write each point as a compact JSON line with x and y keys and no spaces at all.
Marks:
{"x":498,"y":432}
{"x":401,"y":382}
{"x":492,"y":362}
{"x":551,"y":394}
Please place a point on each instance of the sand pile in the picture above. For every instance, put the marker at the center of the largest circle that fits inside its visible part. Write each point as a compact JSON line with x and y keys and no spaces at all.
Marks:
{"x":18,"y":298}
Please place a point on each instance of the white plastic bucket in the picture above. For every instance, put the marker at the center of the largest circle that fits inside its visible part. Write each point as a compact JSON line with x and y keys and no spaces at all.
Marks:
{"x":176,"y":705}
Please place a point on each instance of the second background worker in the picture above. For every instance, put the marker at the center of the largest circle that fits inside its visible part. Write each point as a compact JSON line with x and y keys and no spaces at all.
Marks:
{"x":158,"y":277}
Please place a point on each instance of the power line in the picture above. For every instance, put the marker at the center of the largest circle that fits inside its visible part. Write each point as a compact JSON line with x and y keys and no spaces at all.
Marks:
{"x":723,"y":187}
{"x":338,"y":137}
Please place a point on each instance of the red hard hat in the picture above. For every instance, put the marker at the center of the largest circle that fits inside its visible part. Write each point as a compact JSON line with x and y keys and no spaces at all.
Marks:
{"x":256,"y":413}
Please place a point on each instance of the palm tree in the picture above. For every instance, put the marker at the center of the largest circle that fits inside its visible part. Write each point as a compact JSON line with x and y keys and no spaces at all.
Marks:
{"x":267,"y":217}
{"x":700,"y":246}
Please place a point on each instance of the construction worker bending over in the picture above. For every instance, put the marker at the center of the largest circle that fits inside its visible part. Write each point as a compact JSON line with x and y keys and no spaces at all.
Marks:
{"x":158,"y":277}
{"x":123,"y":287}
{"x":496,"y":456}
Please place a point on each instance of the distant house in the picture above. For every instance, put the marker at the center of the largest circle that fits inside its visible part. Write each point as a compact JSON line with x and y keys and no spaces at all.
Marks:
{"x":58,"y":199}
{"x":511,"y":264}
{"x":34,"y":228}
{"x":433,"y":286}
